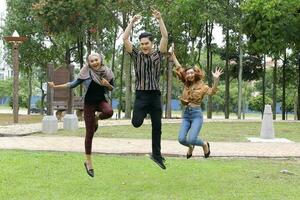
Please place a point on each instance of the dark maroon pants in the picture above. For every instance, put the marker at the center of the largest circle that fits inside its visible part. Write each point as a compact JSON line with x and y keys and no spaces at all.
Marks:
{"x":89,"y":119}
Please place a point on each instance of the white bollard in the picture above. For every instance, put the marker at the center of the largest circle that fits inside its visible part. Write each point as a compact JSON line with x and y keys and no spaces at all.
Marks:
{"x":267,"y":130}
{"x":70,"y":122}
{"x":49,"y":124}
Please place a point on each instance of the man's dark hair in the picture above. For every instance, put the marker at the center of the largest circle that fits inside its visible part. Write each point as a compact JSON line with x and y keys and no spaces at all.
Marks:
{"x":146,"y":35}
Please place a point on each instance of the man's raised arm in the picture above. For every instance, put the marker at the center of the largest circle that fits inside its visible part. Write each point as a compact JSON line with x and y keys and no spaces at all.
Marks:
{"x":163,"y":46}
{"x":127,"y":42}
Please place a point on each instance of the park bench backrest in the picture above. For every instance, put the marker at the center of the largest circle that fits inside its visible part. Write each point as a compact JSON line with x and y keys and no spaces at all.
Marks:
{"x":60,"y":76}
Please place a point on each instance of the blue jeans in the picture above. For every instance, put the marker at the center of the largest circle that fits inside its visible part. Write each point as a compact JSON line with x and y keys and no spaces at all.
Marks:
{"x":190,"y":128}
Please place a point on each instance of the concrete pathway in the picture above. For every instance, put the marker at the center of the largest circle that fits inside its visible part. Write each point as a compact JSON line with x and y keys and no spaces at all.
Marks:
{"x":11,"y":140}
{"x":143,"y":146}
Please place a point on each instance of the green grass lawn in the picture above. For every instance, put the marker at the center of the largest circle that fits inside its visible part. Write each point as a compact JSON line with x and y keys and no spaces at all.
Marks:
{"x":52,"y":175}
{"x":212,"y":131}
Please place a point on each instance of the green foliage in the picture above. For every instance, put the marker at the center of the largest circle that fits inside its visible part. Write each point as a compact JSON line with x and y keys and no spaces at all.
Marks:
{"x":291,"y":89}
{"x":66,"y":16}
{"x":219,"y":98}
{"x":38,"y":104}
{"x":57,"y":28}
{"x":252,"y":63}
{"x":6,"y":88}
{"x":37,"y":51}
{"x":22,"y":101}
{"x":272,"y":26}
{"x":256,"y":103}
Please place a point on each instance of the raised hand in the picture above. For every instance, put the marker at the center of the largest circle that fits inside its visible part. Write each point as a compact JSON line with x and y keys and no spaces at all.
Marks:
{"x":104,"y":82}
{"x":51,"y":84}
{"x":170,"y":52}
{"x":171,"y":49}
{"x":156,"y":14}
{"x":218,"y":72}
{"x":136,"y":18}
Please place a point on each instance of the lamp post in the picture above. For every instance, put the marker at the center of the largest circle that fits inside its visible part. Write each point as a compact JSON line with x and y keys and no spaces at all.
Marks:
{"x":15,"y":40}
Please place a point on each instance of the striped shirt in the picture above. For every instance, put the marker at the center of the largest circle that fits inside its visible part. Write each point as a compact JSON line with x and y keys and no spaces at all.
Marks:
{"x":147,"y":69}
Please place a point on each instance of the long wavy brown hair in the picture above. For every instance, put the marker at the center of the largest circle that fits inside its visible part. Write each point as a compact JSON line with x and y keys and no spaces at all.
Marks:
{"x":199,"y":75}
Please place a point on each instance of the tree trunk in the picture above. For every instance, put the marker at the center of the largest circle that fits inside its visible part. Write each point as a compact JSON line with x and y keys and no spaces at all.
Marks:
{"x":199,"y":51}
{"x":169,"y":91}
{"x":295,"y":106}
{"x":80,"y":52}
{"x":114,"y":54}
{"x":298,"y":105}
{"x":30,"y":90}
{"x":121,"y":84}
{"x":43,"y":98}
{"x":274,"y":88}
{"x":210,"y":82}
{"x":114,"y":49}
{"x":88,"y":43}
{"x":208,"y":29}
{"x":264,"y":85}
{"x":67,"y":55}
{"x":128,"y":84}
{"x":193,"y":57}
{"x":163,"y":88}
{"x":240,"y":82}
{"x":50,"y":93}
{"x":71,"y":70}
{"x":245,"y":100}
{"x":128,"y":87}
{"x":226,"y":71}
{"x":227,"y":75}
{"x":283,"y":87}
{"x":71,"y":92}
{"x":16,"y":82}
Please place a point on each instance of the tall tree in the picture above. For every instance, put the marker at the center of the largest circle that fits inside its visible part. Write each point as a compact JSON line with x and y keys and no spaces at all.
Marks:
{"x":240,"y":80}
{"x":298,"y":94}
{"x":265,"y":24}
{"x":208,"y":32}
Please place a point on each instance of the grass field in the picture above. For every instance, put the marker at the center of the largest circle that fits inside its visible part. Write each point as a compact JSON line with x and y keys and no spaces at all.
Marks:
{"x":213,"y":131}
{"x":6,"y":119}
{"x":47,"y":176}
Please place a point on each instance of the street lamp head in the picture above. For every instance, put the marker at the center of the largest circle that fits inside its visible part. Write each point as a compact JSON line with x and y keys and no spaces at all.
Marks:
{"x":15,"y":38}
{"x":15,"y":34}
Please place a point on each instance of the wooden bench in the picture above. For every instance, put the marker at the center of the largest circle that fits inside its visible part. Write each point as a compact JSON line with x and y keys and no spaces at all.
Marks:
{"x":78,"y":106}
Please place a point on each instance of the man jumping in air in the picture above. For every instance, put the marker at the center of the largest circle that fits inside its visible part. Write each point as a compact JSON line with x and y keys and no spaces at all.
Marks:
{"x":147,"y":64}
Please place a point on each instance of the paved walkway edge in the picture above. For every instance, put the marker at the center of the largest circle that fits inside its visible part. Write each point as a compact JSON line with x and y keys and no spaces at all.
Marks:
{"x":121,"y":146}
